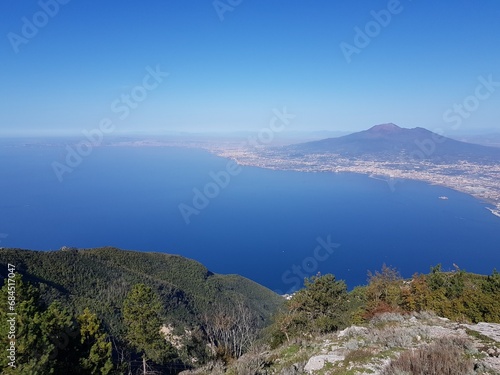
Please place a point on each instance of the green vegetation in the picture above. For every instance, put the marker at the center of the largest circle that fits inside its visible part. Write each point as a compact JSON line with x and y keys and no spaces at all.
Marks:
{"x":107,"y":311}
{"x":320,"y":307}
{"x":130,"y":296}
{"x":142,"y":317}
{"x":324,"y":305}
{"x":457,"y":295}
{"x":49,"y":340}
{"x":96,"y":343}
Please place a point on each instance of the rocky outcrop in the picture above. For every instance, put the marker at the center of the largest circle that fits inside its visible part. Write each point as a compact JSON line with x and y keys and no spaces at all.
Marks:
{"x":376,"y":348}
{"x":370,"y":350}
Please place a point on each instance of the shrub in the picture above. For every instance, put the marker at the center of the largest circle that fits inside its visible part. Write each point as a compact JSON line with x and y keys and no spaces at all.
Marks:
{"x":250,"y":364}
{"x":321,"y":307}
{"x":397,"y":336}
{"x":358,"y":356}
{"x":384,"y":291}
{"x":446,"y":356}
{"x":387,"y":318}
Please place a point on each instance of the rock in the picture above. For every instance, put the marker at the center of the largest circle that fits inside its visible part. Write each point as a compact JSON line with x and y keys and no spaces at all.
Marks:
{"x":492,"y":330}
{"x":352,"y":331}
{"x":318,"y":362}
{"x":492,"y":364}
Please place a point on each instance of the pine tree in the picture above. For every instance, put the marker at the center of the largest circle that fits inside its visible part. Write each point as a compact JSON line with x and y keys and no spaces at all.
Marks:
{"x":59,"y":326}
{"x":141,"y":313}
{"x":96,"y":350}
{"x":321,"y":306}
{"x":33,"y":347}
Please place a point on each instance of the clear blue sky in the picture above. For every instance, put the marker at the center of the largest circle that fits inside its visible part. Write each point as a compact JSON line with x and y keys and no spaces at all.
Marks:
{"x":230,"y":74}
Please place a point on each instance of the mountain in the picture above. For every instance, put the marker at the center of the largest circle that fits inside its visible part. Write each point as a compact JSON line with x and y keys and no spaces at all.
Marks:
{"x":101,"y":278}
{"x":389,"y":140}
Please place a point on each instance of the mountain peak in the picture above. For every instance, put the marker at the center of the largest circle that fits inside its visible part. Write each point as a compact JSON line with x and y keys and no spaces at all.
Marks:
{"x":392,"y":141}
{"x":390,"y":127}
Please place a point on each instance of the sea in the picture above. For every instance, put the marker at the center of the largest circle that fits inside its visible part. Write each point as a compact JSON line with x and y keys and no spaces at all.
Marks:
{"x":274,"y":227}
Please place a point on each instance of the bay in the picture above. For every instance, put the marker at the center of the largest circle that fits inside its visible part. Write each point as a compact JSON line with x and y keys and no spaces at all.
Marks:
{"x":274,"y":227}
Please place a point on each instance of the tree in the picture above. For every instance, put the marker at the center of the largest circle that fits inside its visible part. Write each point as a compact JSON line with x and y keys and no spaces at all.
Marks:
{"x":141,"y":314}
{"x":95,"y":346}
{"x":231,"y":330}
{"x":384,"y":292}
{"x":33,"y":347}
{"x":48,"y":340}
{"x":58,"y":324}
{"x":322,"y":306}
{"x":493,"y":283}
{"x":324,"y":300}
{"x":436,"y":278}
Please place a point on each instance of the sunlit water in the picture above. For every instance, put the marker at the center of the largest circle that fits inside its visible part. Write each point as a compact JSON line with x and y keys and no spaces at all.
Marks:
{"x":274,"y":227}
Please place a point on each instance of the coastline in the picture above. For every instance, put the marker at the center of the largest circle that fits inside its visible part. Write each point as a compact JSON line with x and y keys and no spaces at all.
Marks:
{"x":494,"y":212}
{"x":391,"y":176}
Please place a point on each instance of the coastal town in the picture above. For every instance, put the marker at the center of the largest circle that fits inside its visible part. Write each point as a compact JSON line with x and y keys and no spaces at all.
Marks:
{"x":481,"y":180}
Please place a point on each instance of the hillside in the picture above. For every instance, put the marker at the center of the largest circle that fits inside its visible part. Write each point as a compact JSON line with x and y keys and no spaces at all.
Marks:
{"x":388,"y":140}
{"x":102,"y":277}
{"x":390,"y":344}
{"x":443,"y":323}
{"x":109,"y":311}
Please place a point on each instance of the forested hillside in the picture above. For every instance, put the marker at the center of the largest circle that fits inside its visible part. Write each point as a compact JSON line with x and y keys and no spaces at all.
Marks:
{"x":190,"y":297}
{"x":108,"y":311}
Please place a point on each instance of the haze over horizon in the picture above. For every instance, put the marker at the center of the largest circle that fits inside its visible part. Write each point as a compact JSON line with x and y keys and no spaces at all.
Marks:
{"x":68,"y":65}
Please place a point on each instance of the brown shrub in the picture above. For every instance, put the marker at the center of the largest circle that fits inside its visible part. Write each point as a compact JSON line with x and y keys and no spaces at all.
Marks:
{"x":358,"y":355}
{"x":444,"y":357}
{"x":381,"y":308}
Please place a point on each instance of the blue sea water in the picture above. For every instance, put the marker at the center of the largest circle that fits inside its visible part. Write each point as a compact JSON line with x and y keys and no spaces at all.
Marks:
{"x":271,"y":226}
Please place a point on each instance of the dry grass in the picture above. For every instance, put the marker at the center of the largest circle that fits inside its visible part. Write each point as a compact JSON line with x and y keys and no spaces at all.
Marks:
{"x":444,"y":357}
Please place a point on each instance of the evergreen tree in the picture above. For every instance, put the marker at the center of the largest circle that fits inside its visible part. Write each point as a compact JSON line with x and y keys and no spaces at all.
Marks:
{"x":322,"y":306}
{"x":95,"y":348}
{"x":141,"y":313}
{"x":59,"y":327}
{"x":33,"y":349}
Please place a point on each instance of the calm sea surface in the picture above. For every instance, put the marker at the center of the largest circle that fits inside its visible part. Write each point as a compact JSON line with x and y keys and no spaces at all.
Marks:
{"x":271,"y":226}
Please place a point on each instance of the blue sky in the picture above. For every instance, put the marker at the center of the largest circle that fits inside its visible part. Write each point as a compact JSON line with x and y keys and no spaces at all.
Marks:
{"x":230,"y":74}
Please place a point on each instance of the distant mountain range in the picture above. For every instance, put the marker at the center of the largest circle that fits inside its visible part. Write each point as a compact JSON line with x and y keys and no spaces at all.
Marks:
{"x":390,"y":140}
